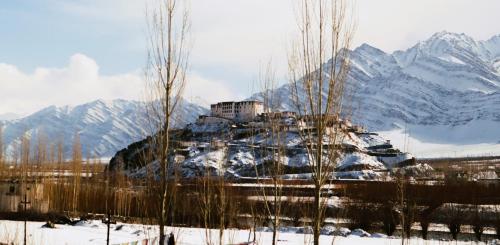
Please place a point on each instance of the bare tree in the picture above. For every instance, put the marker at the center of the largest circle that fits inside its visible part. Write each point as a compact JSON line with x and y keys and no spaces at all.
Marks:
{"x":60,"y":154}
{"x":41,"y":149}
{"x":318,"y":67}
{"x":76,"y":171}
{"x":16,"y":154}
{"x":454,"y":218}
{"x":405,"y":205}
{"x":2,"y":161}
{"x":25,"y":155}
{"x":274,"y":149}
{"x":496,"y":221}
{"x":206,"y":202}
{"x":51,"y":156}
{"x":221,"y":193}
{"x":168,"y":25}
{"x":478,"y":221}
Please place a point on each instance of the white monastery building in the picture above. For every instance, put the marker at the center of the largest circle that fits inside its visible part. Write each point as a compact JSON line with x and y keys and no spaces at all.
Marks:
{"x":238,"y":111}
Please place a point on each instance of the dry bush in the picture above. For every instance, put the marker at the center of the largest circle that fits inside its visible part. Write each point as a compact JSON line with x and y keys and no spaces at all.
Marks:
{"x":454,"y":219}
{"x":362,"y":215}
{"x":390,"y":218}
{"x":496,"y":223}
{"x":477,"y":221}
{"x":424,"y":225}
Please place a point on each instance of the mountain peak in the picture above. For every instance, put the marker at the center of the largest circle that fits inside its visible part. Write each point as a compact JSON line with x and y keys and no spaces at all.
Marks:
{"x":446,"y":35}
{"x":493,"y":46}
{"x":106,"y":103}
{"x":366,"y":48}
{"x":444,"y":42}
{"x":494,"y":38}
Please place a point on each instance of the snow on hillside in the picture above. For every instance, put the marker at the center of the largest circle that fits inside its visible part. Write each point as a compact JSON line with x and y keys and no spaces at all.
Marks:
{"x":103,"y":126}
{"x":220,"y":150}
{"x":449,"y":81}
{"x":354,"y":159}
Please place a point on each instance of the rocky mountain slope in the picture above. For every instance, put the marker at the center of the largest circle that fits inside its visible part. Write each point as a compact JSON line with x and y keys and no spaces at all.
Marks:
{"x":445,"y":89}
{"x":104,"y":127}
{"x":241,"y":150}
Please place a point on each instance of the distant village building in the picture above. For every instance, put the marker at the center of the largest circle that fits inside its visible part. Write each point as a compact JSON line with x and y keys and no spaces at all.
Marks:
{"x":278,"y":115}
{"x":204,"y":119}
{"x":239,"y":111}
{"x":12,"y":194}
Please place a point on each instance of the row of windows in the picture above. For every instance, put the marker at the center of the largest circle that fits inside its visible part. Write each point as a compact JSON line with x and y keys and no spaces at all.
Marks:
{"x":231,"y":108}
{"x":236,"y":104}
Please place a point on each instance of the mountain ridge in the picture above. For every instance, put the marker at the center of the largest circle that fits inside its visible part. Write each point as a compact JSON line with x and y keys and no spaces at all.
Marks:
{"x":104,"y":126}
{"x":449,"y":81}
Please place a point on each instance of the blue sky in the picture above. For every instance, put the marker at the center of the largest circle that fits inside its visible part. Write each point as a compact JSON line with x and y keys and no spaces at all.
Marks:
{"x":46,"y":32}
{"x":73,"y":51}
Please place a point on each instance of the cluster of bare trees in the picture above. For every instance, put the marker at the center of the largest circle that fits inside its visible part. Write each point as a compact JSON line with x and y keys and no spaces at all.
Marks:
{"x":325,"y":36}
{"x":29,"y":157}
{"x":463,"y":208}
{"x":51,"y":180}
{"x":217,"y":204}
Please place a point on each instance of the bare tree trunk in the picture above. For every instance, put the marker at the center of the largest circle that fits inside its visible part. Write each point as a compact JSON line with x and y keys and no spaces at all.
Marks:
{"x":165,"y":81}
{"x":25,"y":155}
{"x":77,"y":171}
{"x":2,"y":162}
{"x":206,"y":203}
{"x":319,"y":65}
{"x":41,"y":149}
{"x":16,"y":155}
{"x":275,"y":129}
{"x":400,"y":192}
{"x":221,"y":207}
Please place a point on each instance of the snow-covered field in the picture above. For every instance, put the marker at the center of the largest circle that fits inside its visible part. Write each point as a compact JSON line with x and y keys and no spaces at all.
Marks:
{"x":94,"y":232}
{"x":432,"y":143}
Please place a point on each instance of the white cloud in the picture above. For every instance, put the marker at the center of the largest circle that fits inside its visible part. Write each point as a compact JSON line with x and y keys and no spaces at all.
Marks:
{"x":80,"y":82}
{"x":242,"y":34}
{"x":395,"y":24}
{"x":204,"y":91}
{"x":256,"y":28}
{"x":233,"y":37}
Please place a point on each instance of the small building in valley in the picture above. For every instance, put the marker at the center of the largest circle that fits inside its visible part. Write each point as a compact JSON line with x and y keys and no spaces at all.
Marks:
{"x":12,"y":195}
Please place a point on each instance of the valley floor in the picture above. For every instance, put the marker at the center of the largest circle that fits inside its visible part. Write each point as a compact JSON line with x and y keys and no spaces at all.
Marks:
{"x":428,"y":148}
{"x":94,"y":232}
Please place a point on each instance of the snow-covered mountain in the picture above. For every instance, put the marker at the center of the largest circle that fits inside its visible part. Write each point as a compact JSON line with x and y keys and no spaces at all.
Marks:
{"x":445,"y":89}
{"x":104,"y":127}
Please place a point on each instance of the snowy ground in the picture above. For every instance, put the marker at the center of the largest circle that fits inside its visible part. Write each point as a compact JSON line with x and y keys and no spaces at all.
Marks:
{"x":446,"y":146}
{"x":94,"y":232}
